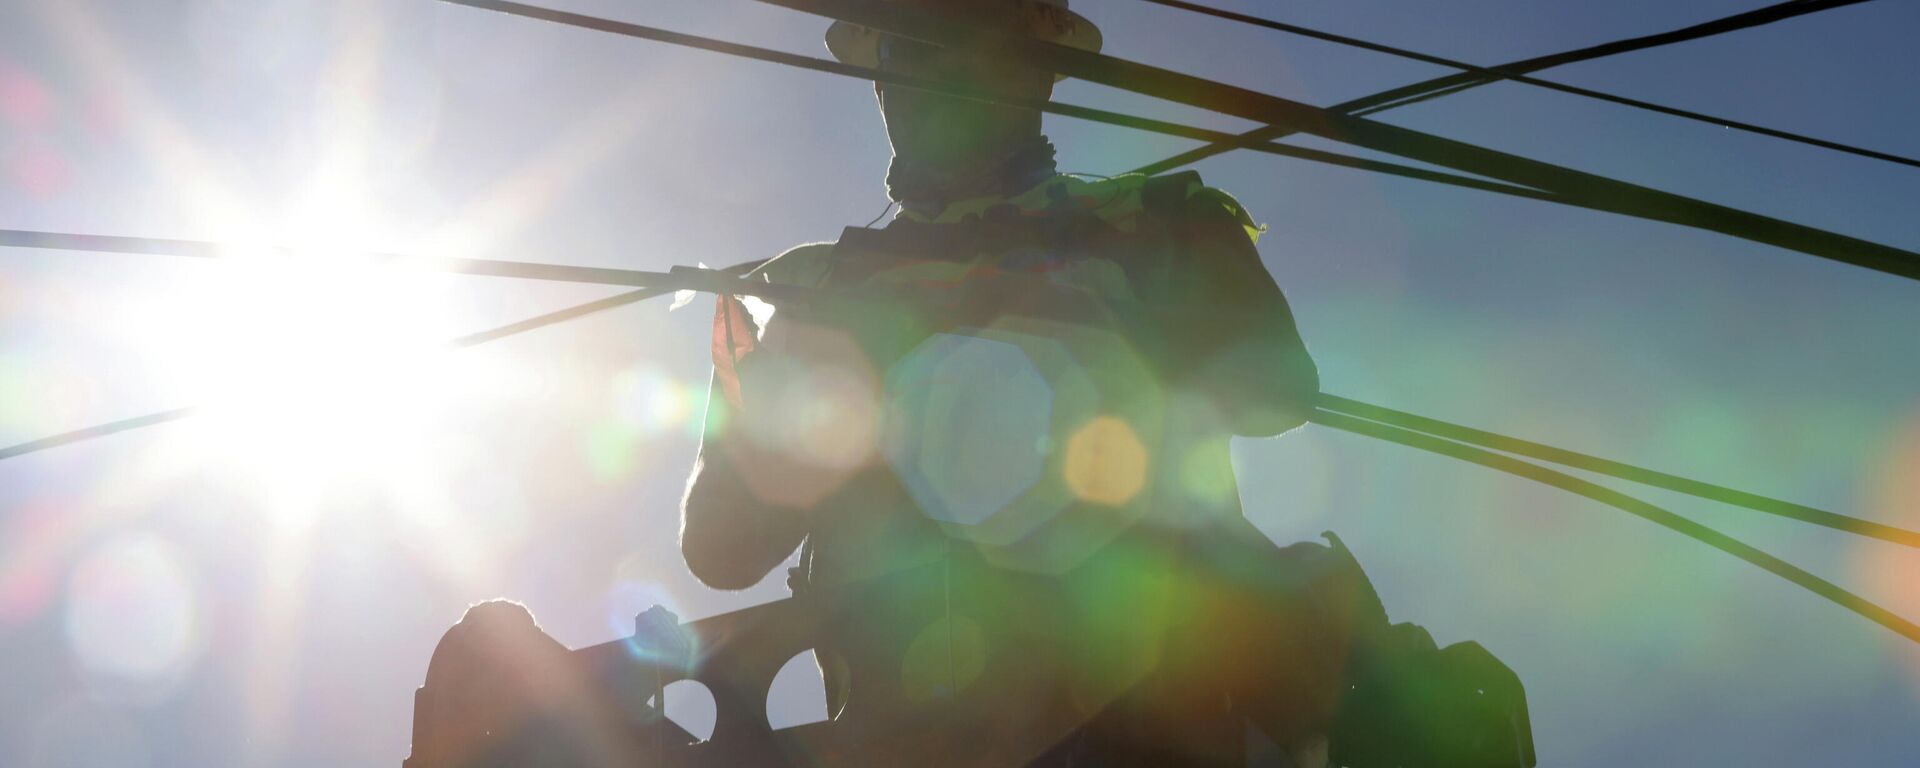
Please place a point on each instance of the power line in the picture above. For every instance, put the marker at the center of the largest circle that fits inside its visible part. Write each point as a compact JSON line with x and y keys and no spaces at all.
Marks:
{"x":1588,"y":189}
{"x":1496,"y":73}
{"x":1424,"y":90}
{"x":515,"y":269}
{"x":658,"y":283}
{"x":1358,"y":425}
{"x":627,"y":29}
{"x":159,"y":246}
{"x":1333,"y":403}
{"x":920,"y":24}
{"x":208,"y":249}
{"x":682,"y":278}
{"x":1193,"y":91}
{"x":1340,"y":421}
{"x":458,"y":342}
{"x":1642,"y":475}
{"x":21,"y":238}
{"x":1613,"y":498}
{"x":97,"y":430}
{"x":1736,"y":22}
{"x":1383,"y":431}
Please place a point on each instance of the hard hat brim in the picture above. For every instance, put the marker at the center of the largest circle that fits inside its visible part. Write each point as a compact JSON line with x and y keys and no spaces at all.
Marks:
{"x":860,"y":46}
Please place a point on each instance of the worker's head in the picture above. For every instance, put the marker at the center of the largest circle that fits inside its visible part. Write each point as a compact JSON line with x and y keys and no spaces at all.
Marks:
{"x":949,"y":134}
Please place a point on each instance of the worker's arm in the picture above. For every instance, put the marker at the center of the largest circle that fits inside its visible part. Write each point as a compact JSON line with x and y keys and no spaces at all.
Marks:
{"x":1225,"y":328}
{"x":731,"y":536}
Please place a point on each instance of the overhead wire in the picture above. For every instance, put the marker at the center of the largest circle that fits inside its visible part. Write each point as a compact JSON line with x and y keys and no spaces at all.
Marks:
{"x":1388,"y":432}
{"x":659,"y":283}
{"x":656,"y":283}
{"x":1498,"y":73}
{"x":458,"y":342}
{"x":1222,"y":98}
{"x":555,"y":272}
{"x":940,"y":29}
{"x":97,"y":430}
{"x":200,"y":248}
{"x":206,"y":249}
{"x":1221,"y":142}
{"x":1165,"y":84}
{"x":1692,"y":529}
{"x":1623,"y":471}
{"x":656,"y":34}
{"x":1747,"y":20}
{"x":1424,"y":90}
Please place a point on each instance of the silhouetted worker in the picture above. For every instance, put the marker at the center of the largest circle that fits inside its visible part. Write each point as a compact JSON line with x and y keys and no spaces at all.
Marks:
{"x":1015,"y":417}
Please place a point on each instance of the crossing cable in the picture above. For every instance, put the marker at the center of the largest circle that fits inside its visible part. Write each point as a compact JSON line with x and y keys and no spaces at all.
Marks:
{"x":1090,"y":114}
{"x":623,"y":277}
{"x":525,"y":270}
{"x":1440,"y":445}
{"x":1642,"y":475}
{"x":97,"y":430}
{"x":1588,"y":190}
{"x":720,"y":282}
{"x":1443,"y":86}
{"x":459,"y":342}
{"x":539,"y":271}
{"x":1322,"y":416}
{"x":1424,"y":90}
{"x":940,"y":29}
{"x":1497,"y":73}
{"x":1691,"y":529}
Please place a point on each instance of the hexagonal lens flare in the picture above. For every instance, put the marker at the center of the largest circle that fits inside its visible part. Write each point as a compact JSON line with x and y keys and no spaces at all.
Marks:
{"x":1032,"y":438}
{"x":968,"y":420}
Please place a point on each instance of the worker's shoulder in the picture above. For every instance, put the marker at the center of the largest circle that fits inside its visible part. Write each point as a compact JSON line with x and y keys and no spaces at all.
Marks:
{"x":1183,"y":195}
{"x":1188,"y":194}
{"x":800,"y":265}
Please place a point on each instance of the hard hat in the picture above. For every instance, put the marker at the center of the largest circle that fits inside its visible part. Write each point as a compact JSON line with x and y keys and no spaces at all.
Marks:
{"x":1047,"y":20}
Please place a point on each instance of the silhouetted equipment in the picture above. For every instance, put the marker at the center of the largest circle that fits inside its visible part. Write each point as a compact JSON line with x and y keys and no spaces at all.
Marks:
{"x":499,"y":692}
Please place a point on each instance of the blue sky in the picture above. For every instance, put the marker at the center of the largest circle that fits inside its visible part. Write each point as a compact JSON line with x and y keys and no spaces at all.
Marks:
{"x":264,"y":586}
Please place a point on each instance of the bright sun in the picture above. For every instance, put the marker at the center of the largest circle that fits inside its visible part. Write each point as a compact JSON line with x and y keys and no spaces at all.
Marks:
{"x":315,"y":368}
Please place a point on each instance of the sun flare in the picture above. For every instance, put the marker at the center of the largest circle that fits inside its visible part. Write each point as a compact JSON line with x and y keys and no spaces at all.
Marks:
{"x":315,"y":366}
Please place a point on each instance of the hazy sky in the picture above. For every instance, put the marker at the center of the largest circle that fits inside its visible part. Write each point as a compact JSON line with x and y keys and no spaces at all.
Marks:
{"x":264,"y":585}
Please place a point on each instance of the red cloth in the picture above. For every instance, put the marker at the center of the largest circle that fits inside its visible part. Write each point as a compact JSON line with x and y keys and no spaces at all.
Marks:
{"x":734,"y":337}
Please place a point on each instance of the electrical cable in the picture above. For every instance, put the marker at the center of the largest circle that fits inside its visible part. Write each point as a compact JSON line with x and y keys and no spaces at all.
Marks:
{"x":525,"y":270}
{"x":1590,"y":189}
{"x":1496,"y":73}
{"x":1234,"y":101}
{"x":941,"y":29}
{"x":629,"y":277}
{"x":20,"y":238}
{"x":1424,"y":90}
{"x":1349,"y":423}
{"x":1613,"y":498}
{"x":1758,"y":17}
{"x":627,"y":29}
{"x":97,"y":430}
{"x":458,"y":342}
{"x":1642,"y":475}
{"x":1322,"y":416}
{"x":1329,"y":402}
